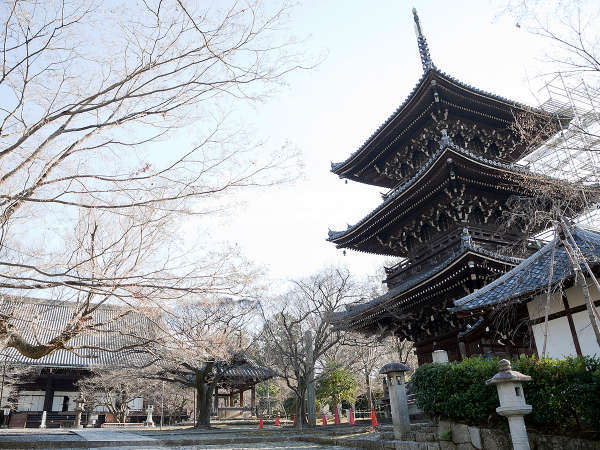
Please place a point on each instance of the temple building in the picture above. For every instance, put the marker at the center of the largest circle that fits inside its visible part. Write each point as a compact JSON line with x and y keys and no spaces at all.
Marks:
{"x":50,"y":383}
{"x":448,"y":157}
{"x":53,"y":385}
{"x":570,"y":332}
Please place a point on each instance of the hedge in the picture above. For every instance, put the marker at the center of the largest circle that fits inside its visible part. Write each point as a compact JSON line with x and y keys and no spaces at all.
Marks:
{"x":563,"y":393}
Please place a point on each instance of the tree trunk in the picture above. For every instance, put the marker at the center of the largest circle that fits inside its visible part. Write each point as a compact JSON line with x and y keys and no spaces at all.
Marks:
{"x":203,"y":400}
{"x":300,"y":400}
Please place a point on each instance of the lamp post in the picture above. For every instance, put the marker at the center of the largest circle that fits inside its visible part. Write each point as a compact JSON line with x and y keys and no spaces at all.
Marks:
{"x":398,"y":401}
{"x":79,"y":402}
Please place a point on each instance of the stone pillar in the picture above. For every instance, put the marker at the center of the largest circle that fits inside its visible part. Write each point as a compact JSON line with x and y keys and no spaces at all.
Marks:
{"x":440,"y":356}
{"x":216,"y":402}
{"x":43,"y":422}
{"x":253,"y":398}
{"x":79,"y":403}
{"x":310,"y":387}
{"x":398,"y":401}
{"x":512,"y":402}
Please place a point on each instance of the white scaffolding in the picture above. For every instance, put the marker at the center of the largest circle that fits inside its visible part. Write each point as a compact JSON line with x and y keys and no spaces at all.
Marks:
{"x":574,"y":153}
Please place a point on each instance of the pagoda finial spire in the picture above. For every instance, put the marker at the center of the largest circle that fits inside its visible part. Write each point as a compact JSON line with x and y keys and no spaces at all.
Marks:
{"x":422,"y":42}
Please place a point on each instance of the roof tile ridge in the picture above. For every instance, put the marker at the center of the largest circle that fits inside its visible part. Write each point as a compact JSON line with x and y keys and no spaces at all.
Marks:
{"x":395,"y":192}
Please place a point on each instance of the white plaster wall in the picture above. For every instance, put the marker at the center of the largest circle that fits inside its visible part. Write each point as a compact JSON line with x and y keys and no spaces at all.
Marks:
{"x":31,"y":401}
{"x":560,"y":341}
{"x":585,"y":333}
{"x":536,"y":307}
{"x":57,"y":403}
{"x":575,"y":296}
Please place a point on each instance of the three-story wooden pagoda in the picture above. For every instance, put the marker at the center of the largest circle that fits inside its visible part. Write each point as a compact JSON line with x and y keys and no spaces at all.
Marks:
{"x":447,"y":156}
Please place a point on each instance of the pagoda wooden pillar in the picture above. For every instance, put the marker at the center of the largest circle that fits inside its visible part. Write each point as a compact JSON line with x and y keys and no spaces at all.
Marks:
{"x":231,"y":394}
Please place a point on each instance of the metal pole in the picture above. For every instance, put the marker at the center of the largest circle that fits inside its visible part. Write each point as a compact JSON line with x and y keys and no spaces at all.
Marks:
{"x":162,"y":404}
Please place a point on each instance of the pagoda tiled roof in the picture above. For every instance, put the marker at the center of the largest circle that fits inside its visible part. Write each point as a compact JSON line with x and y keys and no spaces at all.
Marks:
{"x":531,"y":276}
{"x":429,"y":74}
{"x":445,"y":144}
{"x":466,"y":246}
{"x":41,"y":320}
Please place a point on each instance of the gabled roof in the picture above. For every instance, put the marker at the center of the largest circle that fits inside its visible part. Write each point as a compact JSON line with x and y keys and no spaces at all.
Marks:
{"x":531,"y":276}
{"x":446,"y":146}
{"x":41,"y":320}
{"x":466,"y":247}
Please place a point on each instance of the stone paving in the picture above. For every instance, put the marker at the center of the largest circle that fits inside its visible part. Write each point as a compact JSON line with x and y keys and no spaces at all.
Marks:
{"x":236,"y":437}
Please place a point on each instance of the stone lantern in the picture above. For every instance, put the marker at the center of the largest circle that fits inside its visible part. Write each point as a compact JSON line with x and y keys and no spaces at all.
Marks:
{"x":398,"y":401}
{"x":79,"y":402}
{"x":512,"y":402}
{"x":149,"y":422}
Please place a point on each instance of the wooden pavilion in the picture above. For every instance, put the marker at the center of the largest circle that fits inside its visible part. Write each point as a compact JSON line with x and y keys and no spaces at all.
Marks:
{"x":237,"y":378}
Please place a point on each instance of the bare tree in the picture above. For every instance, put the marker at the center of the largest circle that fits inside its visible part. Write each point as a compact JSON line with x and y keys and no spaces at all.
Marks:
{"x":12,"y":378}
{"x":115,"y":389}
{"x":204,"y":339}
{"x":365,"y":355}
{"x":92,"y":183}
{"x":308,"y":306}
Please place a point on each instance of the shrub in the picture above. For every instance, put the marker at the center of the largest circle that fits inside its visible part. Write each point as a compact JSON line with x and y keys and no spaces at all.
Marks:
{"x":562,"y":392}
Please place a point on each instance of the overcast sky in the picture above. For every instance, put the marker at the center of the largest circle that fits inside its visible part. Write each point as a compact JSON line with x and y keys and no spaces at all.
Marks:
{"x":371,"y":65}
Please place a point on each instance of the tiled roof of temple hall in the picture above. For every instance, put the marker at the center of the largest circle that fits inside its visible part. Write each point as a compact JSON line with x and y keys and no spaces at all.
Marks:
{"x":531,"y":276}
{"x":40,"y":320}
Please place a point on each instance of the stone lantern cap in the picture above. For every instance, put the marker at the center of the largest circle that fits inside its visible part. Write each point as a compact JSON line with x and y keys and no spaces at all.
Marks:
{"x":394,"y":367}
{"x":507,"y":375}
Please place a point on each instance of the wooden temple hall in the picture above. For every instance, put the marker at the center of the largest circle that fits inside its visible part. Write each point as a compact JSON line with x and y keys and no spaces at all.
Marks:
{"x":448,"y":158}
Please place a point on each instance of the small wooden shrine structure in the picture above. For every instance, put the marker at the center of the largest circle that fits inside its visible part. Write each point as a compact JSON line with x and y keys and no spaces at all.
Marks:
{"x":447,"y":156}
{"x":239,"y":377}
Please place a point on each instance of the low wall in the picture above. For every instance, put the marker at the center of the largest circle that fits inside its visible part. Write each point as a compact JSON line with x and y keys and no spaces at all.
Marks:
{"x":460,"y":436}
{"x":233,"y":413}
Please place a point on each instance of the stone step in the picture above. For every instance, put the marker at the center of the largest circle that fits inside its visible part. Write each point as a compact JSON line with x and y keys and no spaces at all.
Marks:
{"x":412,"y":445}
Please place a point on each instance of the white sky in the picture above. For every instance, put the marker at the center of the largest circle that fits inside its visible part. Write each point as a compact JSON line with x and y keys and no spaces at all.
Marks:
{"x":371,"y":66}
